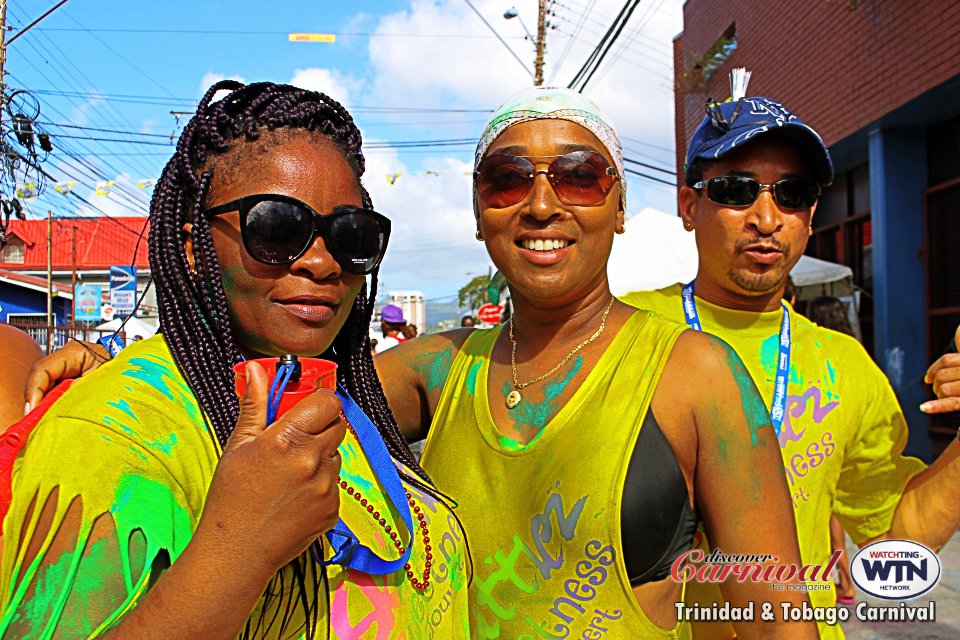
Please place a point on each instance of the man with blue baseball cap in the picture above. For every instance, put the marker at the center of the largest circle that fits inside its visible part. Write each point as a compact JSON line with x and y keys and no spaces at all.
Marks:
{"x":754,"y":174}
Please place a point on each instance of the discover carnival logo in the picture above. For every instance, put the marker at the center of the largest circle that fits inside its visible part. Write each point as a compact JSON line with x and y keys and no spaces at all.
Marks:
{"x":895,"y":569}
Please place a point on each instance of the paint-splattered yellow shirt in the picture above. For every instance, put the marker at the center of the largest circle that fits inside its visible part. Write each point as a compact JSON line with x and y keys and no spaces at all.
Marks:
{"x":843,"y":433}
{"x":129,"y":442}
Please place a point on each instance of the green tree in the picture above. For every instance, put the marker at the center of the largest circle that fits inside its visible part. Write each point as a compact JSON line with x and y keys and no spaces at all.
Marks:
{"x":474,"y":294}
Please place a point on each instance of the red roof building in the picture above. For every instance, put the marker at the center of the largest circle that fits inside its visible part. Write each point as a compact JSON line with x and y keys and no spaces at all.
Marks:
{"x":101,"y":242}
{"x":83,"y":248}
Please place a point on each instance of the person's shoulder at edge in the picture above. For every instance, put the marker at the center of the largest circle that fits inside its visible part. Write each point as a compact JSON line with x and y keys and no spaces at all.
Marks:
{"x":428,"y":343}
{"x":142,"y":378}
{"x":691,"y":348}
{"x":656,"y":300}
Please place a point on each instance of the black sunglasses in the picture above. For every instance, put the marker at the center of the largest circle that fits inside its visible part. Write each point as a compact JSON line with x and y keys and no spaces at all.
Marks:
{"x":278,"y":229}
{"x":740,"y":191}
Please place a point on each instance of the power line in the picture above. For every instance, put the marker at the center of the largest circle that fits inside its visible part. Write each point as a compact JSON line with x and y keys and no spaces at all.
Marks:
{"x":502,"y":41}
{"x":649,"y":177}
{"x":119,"y":55}
{"x":603,"y":47}
{"x":132,"y":133}
{"x":123,"y":140}
{"x":30,"y":26}
{"x":69,"y":79}
{"x":650,"y":166}
{"x":82,"y":199}
{"x":160,"y":100}
{"x":339,"y":34}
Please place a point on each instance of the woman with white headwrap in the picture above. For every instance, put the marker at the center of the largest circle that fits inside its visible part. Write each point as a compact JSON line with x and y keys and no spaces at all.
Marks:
{"x":584,"y":438}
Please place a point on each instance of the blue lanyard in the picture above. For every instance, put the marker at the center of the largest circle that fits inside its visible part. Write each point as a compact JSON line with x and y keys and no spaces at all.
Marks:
{"x":779,"y":407}
{"x":347,"y":549}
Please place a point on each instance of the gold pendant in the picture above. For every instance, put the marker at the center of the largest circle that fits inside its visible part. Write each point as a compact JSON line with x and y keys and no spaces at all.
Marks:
{"x":513,"y":399}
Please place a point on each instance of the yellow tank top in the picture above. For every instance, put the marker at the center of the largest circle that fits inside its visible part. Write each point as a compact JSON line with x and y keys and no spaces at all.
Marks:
{"x":543,"y":518}
{"x":129,"y":440}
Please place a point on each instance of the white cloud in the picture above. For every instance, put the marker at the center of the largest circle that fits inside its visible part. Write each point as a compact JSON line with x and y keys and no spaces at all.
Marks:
{"x":333,"y":83}
{"x":80,"y":115}
{"x":633,"y":85}
{"x":472,"y":69}
{"x":432,"y":244}
{"x":210,"y":78}
{"x":433,"y":247}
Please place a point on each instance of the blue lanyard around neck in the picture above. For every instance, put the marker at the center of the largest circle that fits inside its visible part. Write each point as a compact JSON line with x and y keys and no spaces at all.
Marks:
{"x":779,"y":407}
{"x":347,"y":549}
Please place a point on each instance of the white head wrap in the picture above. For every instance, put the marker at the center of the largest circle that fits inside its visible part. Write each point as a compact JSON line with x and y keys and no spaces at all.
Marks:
{"x":538,"y":103}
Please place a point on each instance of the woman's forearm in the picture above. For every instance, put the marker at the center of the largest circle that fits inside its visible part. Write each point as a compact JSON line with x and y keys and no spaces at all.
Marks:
{"x":207,"y":593}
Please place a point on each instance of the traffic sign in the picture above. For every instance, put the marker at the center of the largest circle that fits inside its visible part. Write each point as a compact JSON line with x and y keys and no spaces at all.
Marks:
{"x":490,"y":313}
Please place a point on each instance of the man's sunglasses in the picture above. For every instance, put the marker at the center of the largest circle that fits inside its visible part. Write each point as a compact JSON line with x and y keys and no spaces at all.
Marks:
{"x":278,"y":229}
{"x":581,"y":178}
{"x":740,"y":191}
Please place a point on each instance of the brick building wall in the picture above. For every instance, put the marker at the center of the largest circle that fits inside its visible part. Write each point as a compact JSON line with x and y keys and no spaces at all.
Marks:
{"x":839,"y":69}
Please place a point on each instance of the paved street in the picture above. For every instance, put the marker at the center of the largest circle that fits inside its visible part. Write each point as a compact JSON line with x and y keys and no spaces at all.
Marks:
{"x":946,"y":595}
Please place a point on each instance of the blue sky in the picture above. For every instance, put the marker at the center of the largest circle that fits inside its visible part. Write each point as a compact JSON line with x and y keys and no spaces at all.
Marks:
{"x":407,"y":70}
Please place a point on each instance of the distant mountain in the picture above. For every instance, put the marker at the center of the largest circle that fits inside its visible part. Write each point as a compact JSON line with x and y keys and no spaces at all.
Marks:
{"x":438,"y":311}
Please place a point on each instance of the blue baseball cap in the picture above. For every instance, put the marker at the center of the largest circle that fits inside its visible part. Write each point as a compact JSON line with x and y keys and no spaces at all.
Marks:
{"x":732,"y":124}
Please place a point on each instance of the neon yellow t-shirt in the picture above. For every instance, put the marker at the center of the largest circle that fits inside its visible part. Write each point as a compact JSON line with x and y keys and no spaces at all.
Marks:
{"x":544,"y":517}
{"x":843,"y":434}
{"x":129,"y":440}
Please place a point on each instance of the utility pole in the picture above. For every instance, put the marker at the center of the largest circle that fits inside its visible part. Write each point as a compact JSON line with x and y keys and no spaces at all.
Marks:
{"x":3,"y":38}
{"x":3,"y":51}
{"x":541,"y":43}
{"x":50,"y":316}
{"x":73,"y":278}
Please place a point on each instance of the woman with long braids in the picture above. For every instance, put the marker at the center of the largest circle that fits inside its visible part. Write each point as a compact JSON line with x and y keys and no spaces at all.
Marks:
{"x":150,"y":502}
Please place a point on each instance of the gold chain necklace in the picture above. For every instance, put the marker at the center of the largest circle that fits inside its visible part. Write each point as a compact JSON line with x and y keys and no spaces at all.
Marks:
{"x":514,"y":397}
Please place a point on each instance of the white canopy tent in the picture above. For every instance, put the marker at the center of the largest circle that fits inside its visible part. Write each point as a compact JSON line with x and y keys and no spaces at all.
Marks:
{"x":656,"y":251}
{"x":134,"y":328}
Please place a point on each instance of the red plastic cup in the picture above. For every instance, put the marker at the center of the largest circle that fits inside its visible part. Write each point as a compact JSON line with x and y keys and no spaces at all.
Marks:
{"x":315,"y":374}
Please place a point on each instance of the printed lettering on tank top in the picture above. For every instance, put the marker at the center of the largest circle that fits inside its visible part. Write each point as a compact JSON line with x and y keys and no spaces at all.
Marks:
{"x":549,"y":564}
{"x":807,"y":438}
{"x":371,"y":607}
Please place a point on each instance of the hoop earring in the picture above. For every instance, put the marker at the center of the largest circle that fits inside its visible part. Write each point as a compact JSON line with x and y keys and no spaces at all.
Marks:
{"x":479,"y":235}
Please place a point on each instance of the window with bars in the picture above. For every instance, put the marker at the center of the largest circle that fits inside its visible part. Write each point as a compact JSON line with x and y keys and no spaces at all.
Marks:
{"x":13,"y":252}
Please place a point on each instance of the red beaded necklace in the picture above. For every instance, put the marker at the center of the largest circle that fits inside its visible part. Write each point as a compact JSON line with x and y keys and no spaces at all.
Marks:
{"x":380,"y":520}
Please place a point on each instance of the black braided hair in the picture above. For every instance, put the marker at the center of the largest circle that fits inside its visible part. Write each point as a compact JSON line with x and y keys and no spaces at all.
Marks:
{"x":194,"y":314}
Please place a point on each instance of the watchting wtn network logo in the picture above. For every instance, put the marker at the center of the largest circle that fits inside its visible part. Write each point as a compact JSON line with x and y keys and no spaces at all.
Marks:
{"x":895,"y":569}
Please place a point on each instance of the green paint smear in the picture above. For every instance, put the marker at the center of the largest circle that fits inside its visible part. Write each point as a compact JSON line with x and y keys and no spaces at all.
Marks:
{"x":722,"y":448}
{"x":49,"y":584}
{"x":156,"y":373}
{"x":353,"y":460}
{"x":87,"y":589}
{"x":832,"y":372}
{"x":228,"y":278}
{"x":163,"y":444}
{"x":536,"y":415}
{"x":754,"y":410}
{"x":472,"y":377}
{"x":433,"y":366}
